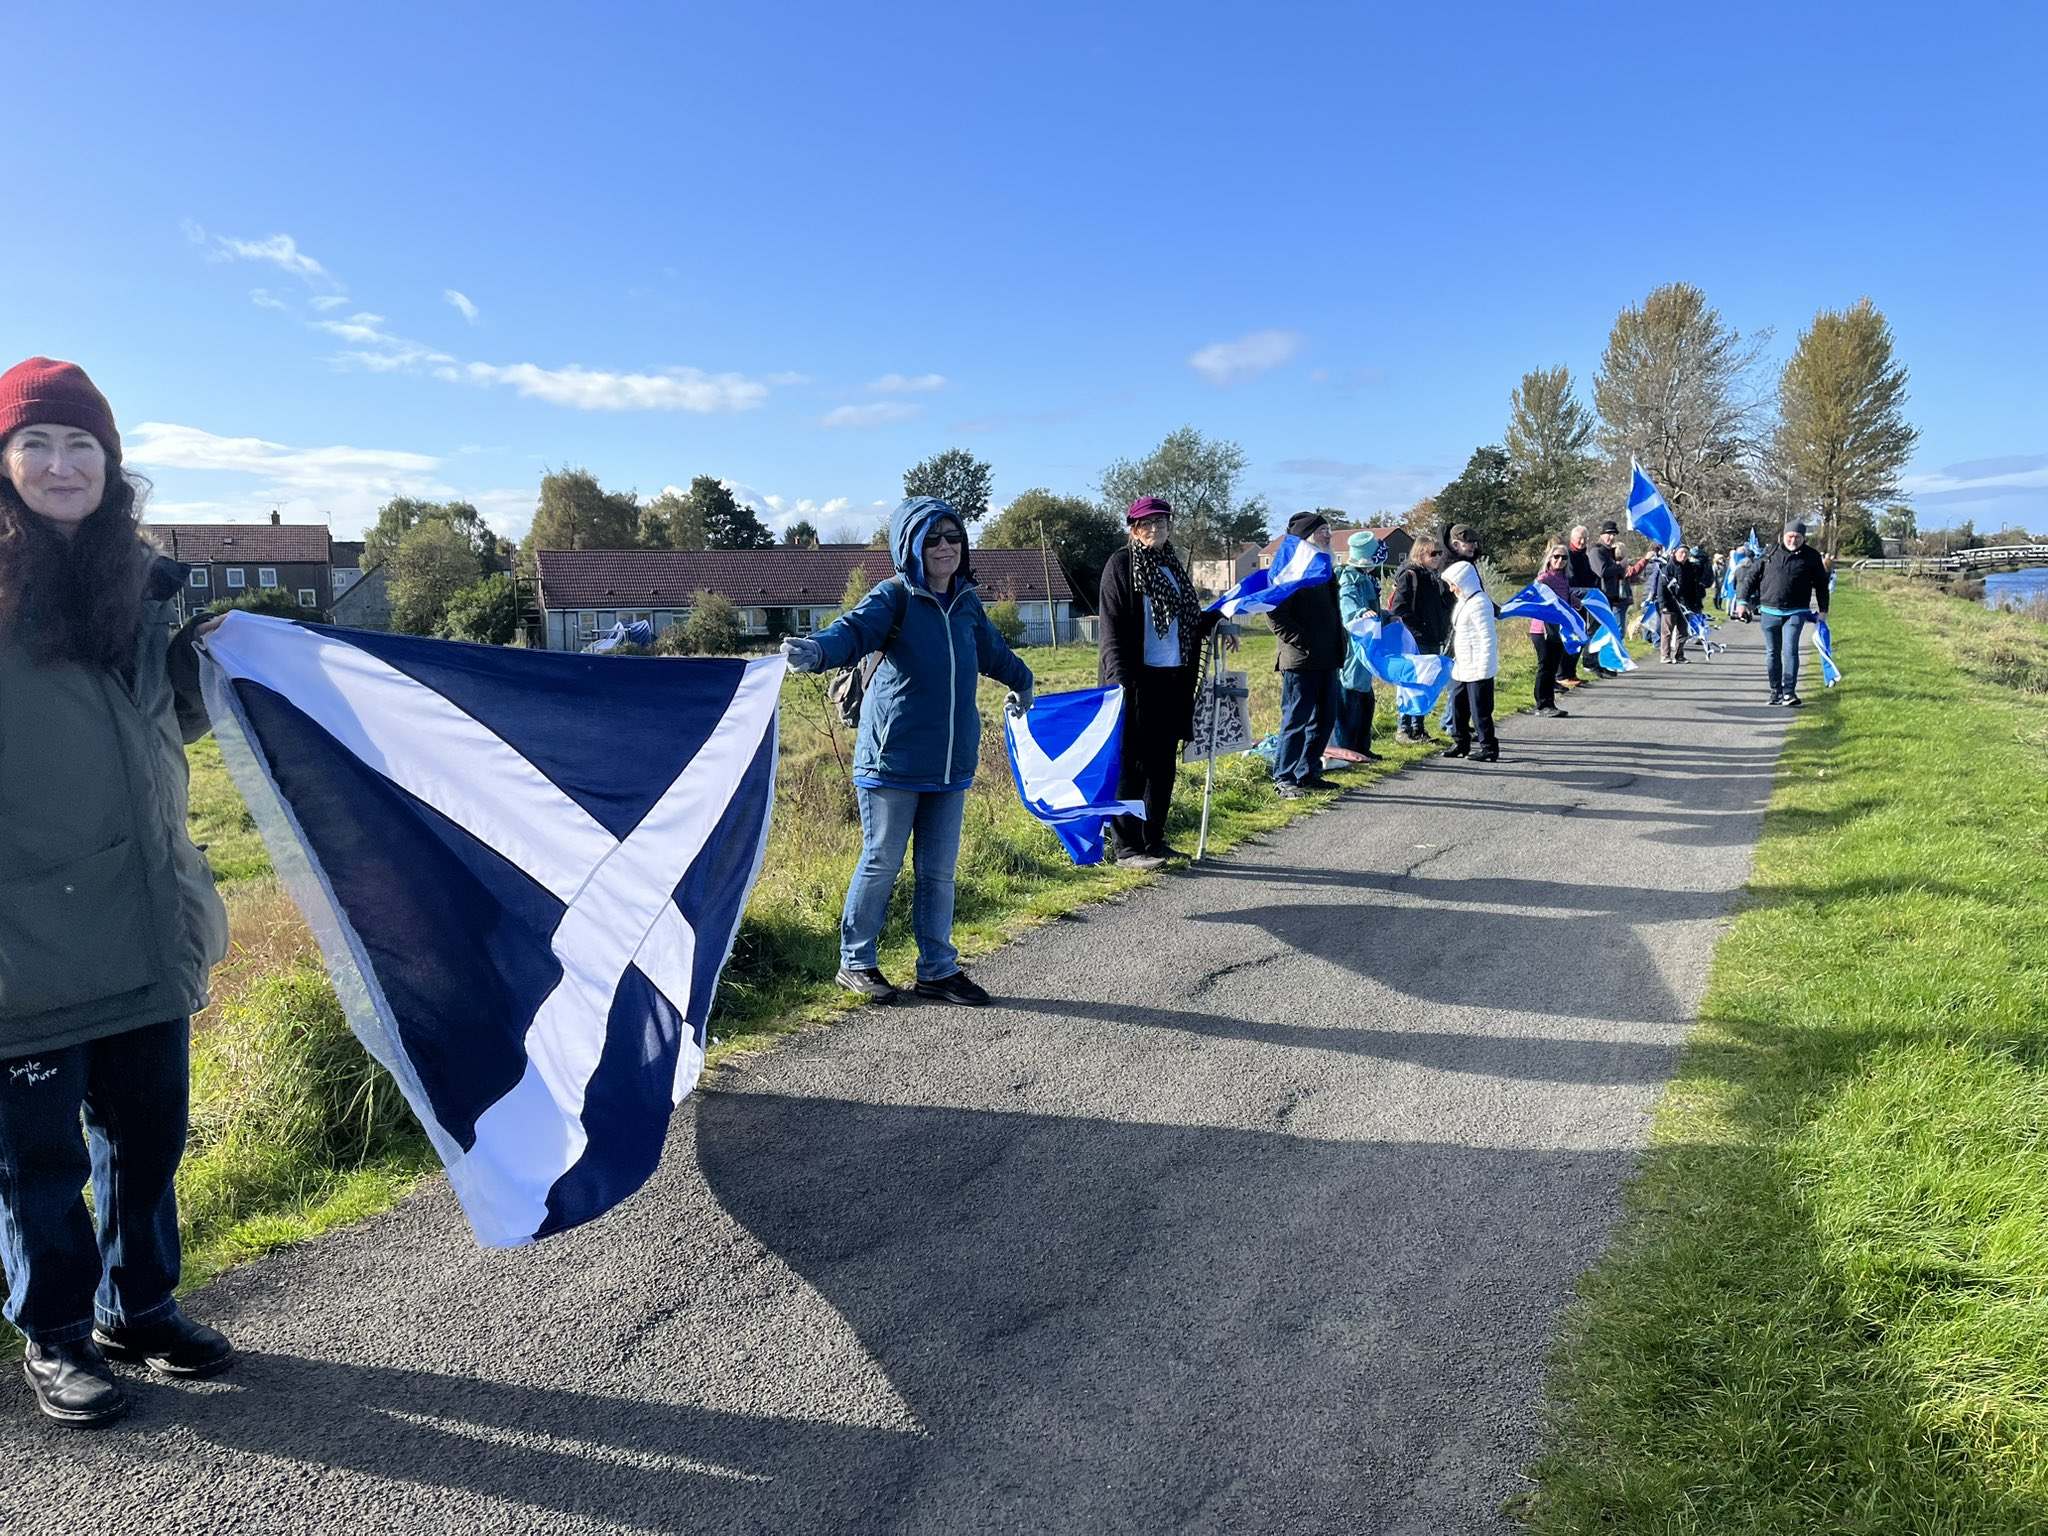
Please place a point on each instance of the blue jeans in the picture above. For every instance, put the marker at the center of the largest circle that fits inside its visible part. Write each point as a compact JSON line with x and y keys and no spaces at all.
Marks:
{"x":1308,"y":713}
{"x":888,"y":818}
{"x":118,"y":1266}
{"x":1781,"y":647}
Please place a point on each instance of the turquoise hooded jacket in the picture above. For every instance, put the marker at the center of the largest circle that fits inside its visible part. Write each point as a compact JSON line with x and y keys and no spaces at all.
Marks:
{"x":919,"y":728}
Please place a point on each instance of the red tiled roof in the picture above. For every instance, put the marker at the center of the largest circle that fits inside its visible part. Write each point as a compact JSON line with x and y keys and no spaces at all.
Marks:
{"x":782,"y":577}
{"x":242,"y":543}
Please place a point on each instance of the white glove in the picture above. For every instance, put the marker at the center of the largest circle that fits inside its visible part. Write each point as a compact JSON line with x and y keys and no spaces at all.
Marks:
{"x":1019,"y":701}
{"x":803,"y":655}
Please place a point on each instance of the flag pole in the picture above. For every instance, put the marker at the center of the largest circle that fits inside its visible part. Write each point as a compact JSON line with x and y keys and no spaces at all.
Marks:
{"x":1209,"y":769}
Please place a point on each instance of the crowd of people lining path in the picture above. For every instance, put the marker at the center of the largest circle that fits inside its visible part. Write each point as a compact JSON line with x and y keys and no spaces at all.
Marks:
{"x":110,"y":924}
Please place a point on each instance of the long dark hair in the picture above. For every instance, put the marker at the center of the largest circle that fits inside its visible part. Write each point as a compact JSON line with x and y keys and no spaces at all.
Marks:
{"x":75,"y":599}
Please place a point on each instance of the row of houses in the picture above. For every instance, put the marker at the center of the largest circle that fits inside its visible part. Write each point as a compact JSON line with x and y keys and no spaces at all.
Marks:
{"x":228,"y":560}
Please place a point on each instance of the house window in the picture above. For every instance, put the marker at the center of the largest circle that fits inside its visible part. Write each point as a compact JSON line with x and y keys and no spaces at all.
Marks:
{"x":237,"y":578}
{"x":756,"y":621}
{"x":266,"y":576}
{"x":806,"y":620}
{"x":344,"y":579}
{"x":198,"y":576}
{"x":308,"y":598}
{"x":586,"y":623}
{"x":606,"y":618}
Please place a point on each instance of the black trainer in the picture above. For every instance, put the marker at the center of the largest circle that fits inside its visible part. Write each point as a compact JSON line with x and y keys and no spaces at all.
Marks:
{"x":870,"y":984}
{"x":955,"y":988}
{"x":171,"y":1346}
{"x":1776,"y":700}
{"x":1486,"y":755}
{"x":1460,"y":749}
{"x":1317,"y":781}
{"x":73,"y":1383}
{"x":1792,"y":701}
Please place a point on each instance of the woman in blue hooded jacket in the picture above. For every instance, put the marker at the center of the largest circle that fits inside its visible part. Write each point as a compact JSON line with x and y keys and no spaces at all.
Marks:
{"x":919,"y":742}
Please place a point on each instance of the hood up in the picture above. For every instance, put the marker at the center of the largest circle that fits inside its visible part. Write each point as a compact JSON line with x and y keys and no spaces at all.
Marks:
{"x":908,"y":525}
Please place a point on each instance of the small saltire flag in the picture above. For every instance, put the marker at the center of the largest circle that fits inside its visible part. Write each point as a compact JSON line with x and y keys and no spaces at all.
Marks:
{"x":1065,"y":754}
{"x":1738,"y":557}
{"x":1606,"y":646}
{"x":1296,"y":564}
{"x":1647,"y":514}
{"x":1536,"y":601}
{"x":525,"y":870}
{"x":1699,"y":626}
{"x":1755,"y":548}
{"x":1418,"y":681}
{"x":1824,"y":647}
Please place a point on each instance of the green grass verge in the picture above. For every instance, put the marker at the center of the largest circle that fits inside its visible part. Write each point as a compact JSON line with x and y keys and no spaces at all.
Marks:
{"x":1827,"y":1306}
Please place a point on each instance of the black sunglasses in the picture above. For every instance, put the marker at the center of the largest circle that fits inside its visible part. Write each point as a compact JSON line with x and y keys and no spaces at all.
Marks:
{"x":942,"y":537}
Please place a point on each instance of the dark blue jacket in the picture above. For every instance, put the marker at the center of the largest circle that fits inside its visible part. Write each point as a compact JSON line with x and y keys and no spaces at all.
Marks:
{"x":919,"y":728}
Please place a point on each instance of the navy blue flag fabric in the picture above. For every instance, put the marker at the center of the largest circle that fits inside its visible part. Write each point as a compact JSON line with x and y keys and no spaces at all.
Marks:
{"x":1066,"y":754}
{"x":1647,"y":513}
{"x":525,"y":870}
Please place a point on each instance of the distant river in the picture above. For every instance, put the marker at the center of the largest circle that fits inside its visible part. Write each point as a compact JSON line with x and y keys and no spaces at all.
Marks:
{"x":2008,"y":589}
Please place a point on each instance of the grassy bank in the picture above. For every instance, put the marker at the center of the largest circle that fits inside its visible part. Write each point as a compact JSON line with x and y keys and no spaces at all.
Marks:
{"x":1827,"y":1307}
{"x":295,"y":1131}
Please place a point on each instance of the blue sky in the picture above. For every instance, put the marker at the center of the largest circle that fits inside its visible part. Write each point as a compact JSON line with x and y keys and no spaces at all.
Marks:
{"x":801,"y":247}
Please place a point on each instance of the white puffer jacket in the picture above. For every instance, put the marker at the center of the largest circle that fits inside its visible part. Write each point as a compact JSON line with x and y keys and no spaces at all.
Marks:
{"x":1475,"y":638}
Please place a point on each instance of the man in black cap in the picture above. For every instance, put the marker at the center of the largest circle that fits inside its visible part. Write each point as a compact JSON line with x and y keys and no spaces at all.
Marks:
{"x":1782,"y":589}
{"x":1310,"y":629}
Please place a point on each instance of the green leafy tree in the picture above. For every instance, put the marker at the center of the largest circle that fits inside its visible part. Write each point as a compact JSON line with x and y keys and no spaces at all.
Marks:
{"x":1549,"y":431}
{"x":1077,"y":532}
{"x":1898,"y":522}
{"x":1008,"y":620}
{"x":1200,"y":478}
{"x":400,"y":515}
{"x":1842,"y":431}
{"x":575,"y":512}
{"x":727,"y":522}
{"x":858,"y":584}
{"x":956,"y":477}
{"x":1487,"y":496}
{"x":680,"y":518}
{"x":713,"y":627}
{"x":801,"y":532}
{"x":271,"y":600}
{"x":431,"y":564}
{"x":653,"y":531}
{"x":879,"y":539}
{"x":485,"y":612}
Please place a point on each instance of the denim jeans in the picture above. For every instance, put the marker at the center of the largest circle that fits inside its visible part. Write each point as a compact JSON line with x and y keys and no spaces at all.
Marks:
{"x":888,"y":819}
{"x":1308,"y":713}
{"x":65,"y":1269}
{"x":1781,"y":646}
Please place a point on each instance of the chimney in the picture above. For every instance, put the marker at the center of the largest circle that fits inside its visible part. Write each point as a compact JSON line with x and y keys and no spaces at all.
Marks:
{"x":273,"y":518}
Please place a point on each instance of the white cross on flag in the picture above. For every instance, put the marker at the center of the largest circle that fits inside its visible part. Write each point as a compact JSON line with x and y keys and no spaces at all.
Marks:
{"x":525,"y":870}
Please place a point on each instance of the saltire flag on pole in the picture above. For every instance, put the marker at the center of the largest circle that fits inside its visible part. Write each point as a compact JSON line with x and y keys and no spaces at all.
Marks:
{"x":1647,"y":514}
{"x":1824,"y":647}
{"x":1536,"y":601}
{"x":1699,"y":627}
{"x":1606,"y":646}
{"x":525,"y":870}
{"x":1754,"y":547}
{"x":1066,"y":753}
{"x":1296,"y":564}
{"x":1738,"y":557}
{"x":1418,"y":681}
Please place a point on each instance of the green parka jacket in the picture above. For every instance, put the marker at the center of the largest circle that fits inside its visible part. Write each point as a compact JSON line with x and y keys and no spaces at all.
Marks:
{"x":108,"y":916}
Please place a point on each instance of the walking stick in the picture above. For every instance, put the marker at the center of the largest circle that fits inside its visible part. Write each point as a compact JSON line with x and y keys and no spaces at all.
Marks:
{"x":1209,"y":771}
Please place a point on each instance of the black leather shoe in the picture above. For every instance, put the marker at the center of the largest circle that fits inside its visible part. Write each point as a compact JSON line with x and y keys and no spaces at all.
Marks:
{"x":1317,"y":781}
{"x":955,"y":988}
{"x":1463,"y":749}
{"x":73,"y":1383}
{"x":172,"y":1346}
{"x":870,"y":984}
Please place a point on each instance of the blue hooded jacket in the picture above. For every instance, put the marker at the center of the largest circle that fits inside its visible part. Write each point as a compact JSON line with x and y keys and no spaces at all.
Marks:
{"x":919,"y":728}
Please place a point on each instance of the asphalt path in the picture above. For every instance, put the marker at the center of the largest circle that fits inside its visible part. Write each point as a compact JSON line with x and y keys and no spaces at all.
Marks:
{"x":1251,"y":1207}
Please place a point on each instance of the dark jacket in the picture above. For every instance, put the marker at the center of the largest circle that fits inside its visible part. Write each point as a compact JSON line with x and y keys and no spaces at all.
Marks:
{"x":1578,"y":569}
{"x":1423,"y":603}
{"x":1123,"y":615}
{"x":919,"y":727}
{"x":1785,"y":578}
{"x":1310,"y":628}
{"x":1608,"y":570}
{"x":1683,"y":587}
{"x":108,"y":916}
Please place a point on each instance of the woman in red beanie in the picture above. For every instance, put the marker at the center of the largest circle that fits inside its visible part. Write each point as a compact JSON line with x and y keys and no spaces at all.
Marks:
{"x":109,"y":923}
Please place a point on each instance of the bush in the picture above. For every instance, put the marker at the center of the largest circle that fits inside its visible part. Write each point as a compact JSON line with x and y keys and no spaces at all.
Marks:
{"x":674,"y":641}
{"x":1008,"y":621}
{"x":858,"y":585}
{"x":485,"y":612}
{"x":713,"y":627}
{"x":271,"y":600}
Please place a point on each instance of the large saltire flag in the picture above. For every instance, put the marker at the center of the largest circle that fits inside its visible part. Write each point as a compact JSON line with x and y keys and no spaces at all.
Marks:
{"x":1536,"y":601}
{"x":1066,"y":753}
{"x":1606,"y":645}
{"x":1389,"y":650}
{"x":1296,"y":564}
{"x":1647,"y":513}
{"x":1824,"y":647}
{"x":525,"y":870}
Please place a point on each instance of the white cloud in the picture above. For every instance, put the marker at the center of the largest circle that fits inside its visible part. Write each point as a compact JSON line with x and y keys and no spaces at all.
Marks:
{"x":787,"y":380}
{"x":881,"y":413}
{"x":165,"y":445}
{"x":1226,"y":362}
{"x":907,"y":384}
{"x":462,"y":303}
{"x":280,"y":251}
{"x":376,"y":349}
{"x":589,"y":389}
{"x":327,"y":301}
{"x":263,"y":298}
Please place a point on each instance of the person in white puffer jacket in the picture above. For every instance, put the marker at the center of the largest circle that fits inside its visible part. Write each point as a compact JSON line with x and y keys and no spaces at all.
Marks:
{"x":1475,"y":659}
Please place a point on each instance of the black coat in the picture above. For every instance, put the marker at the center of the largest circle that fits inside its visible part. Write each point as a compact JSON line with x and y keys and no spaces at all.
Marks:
{"x":1791,"y":579}
{"x":1578,"y":569}
{"x":1123,"y":614}
{"x":1684,"y":587}
{"x":1310,"y":629}
{"x":1607,"y":570}
{"x":1423,"y":603}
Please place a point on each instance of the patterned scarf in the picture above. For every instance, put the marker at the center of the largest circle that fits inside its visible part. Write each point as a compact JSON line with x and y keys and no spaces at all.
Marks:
{"x":1170,"y":597}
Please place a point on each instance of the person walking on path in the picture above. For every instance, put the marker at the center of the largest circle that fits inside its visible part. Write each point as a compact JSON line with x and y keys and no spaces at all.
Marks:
{"x":1358,"y":594}
{"x":1475,"y":661}
{"x":1312,"y":650}
{"x":1547,"y":640}
{"x":1152,"y":628}
{"x":1423,"y":604}
{"x":919,"y":742}
{"x":109,"y":925}
{"x":1718,"y":580}
{"x":1783,"y":590}
{"x":1677,"y":600}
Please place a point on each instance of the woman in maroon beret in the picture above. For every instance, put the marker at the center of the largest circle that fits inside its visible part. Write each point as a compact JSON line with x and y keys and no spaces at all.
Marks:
{"x":108,"y":919}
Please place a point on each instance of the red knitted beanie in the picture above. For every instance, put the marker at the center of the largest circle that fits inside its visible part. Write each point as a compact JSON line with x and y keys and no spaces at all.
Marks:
{"x":45,"y":390}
